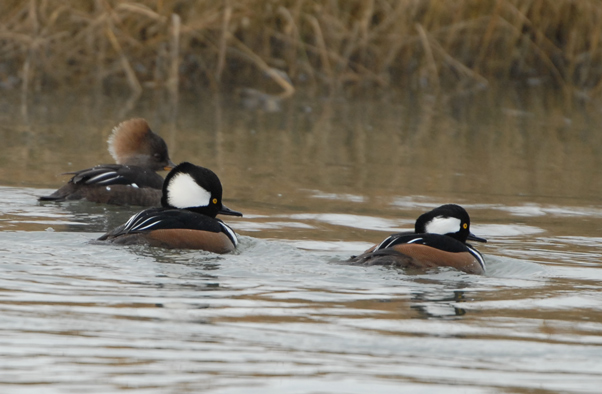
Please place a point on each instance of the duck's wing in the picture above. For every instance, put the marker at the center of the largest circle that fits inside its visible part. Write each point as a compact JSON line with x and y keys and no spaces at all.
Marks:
{"x":166,"y":219}
{"x":116,"y":174}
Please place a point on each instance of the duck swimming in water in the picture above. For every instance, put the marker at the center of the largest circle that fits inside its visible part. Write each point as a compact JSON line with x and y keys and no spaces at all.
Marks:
{"x":192,"y":198}
{"x":139,"y":154}
{"x":439,"y":240}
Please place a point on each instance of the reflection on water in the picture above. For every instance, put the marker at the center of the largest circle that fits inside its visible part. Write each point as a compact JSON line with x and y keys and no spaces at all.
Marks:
{"x":353,"y":149}
{"x":317,"y":182}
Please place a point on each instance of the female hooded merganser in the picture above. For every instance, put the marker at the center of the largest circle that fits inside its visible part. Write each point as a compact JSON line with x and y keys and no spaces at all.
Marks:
{"x":139,"y":153}
{"x":192,"y":197}
{"x":439,"y":239}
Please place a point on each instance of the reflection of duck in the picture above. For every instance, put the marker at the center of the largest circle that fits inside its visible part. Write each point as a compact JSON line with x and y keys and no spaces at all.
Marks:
{"x":439,"y":240}
{"x":253,"y":99}
{"x":139,"y":153}
{"x":445,"y":305}
{"x":192,"y":197}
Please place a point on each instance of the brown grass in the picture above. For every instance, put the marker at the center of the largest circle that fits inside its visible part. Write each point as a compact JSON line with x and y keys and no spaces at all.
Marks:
{"x":282,"y":46}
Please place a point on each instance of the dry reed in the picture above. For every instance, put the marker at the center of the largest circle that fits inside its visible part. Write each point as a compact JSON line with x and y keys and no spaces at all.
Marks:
{"x":293,"y":44}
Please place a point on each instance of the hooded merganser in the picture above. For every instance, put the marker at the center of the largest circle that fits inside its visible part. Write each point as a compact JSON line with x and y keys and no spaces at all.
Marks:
{"x":139,"y":153}
{"x":439,"y":239}
{"x":192,"y":197}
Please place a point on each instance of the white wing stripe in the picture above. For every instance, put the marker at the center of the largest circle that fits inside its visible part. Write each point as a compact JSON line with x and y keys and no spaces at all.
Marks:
{"x":101,"y":176}
{"x":230,"y":233}
{"x":477,"y":255}
{"x":385,"y":244}
{"x":130,"y":220}
{"x":105,"y":181}
{"x":137,"y":225}
{"x":391,"y":240}
{"x":147,"y":226}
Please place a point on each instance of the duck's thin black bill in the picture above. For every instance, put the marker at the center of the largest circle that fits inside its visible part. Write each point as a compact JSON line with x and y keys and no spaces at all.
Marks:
{"x":170,"y":165}
{"x":227,"y":211}
{"x":472,"y":237}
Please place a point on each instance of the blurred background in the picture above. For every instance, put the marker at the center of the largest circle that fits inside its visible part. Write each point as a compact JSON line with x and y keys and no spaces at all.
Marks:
{"x":331,"y":124}
{"x":261,"y":47}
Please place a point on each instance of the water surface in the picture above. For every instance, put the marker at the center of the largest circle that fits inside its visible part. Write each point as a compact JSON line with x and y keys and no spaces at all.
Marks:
{"x":317,"y":182}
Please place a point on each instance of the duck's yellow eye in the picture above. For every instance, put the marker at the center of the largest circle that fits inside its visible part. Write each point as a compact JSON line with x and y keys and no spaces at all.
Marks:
{"x":465,"y":225}
{"x":215,"y":200}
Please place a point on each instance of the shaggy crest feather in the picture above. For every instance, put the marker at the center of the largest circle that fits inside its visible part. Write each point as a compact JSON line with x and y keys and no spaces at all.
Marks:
{"x":126,"y":138}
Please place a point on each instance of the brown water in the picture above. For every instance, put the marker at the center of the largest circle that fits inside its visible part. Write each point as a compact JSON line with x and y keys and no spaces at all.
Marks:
{"x":318,"y":181}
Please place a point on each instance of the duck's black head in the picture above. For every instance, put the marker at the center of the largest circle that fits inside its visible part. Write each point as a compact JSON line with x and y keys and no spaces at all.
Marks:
{"x":196,"y":189}
{"x":449,"y":219}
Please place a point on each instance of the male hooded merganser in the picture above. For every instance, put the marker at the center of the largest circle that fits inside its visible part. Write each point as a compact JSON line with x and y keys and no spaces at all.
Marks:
{"x":192,"y":197}
{"x":139,"y":153}
{"x":439,"y":239}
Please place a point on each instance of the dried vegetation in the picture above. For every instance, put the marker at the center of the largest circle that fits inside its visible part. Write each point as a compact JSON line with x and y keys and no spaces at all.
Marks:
{"x":283,"y":46}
